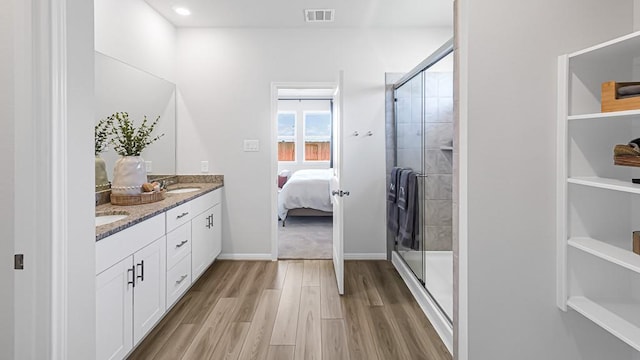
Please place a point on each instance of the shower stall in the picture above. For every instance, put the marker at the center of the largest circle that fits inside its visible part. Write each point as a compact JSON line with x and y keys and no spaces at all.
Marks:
{"x":420,"y":138}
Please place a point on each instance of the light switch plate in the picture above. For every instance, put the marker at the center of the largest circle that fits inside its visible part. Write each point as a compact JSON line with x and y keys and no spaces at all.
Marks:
{"x":251,"y":145}
{"x":148,"y":165}
{"x":204,"y":166}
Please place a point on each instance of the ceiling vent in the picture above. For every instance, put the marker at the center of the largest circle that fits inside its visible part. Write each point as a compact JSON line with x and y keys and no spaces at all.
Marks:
{"x":319,"y":15}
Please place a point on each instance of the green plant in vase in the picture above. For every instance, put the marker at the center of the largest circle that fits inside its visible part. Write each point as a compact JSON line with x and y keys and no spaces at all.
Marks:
{"x":129,"y":141}
{"x":101,"y":141}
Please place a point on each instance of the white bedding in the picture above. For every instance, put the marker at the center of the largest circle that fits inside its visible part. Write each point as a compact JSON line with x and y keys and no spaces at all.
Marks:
{"x":306,"y":189}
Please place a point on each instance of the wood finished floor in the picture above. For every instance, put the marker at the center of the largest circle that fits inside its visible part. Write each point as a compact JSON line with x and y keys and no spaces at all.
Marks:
{"x":291,"y":310}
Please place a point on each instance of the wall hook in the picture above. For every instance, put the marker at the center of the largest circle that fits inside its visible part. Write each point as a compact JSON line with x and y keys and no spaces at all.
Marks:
{"x":355,"y":133}
{"x":369,"y":133}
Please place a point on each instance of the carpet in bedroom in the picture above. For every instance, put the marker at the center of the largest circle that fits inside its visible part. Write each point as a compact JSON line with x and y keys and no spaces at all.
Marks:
{"x":305,"y":237}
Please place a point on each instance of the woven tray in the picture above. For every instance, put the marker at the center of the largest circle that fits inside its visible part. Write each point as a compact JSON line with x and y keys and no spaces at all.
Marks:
{"x":144,"y":198}
{"x":626,"y":160}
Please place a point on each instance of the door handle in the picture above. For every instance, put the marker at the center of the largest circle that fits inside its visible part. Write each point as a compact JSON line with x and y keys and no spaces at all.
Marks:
{"x":182,"y":243}
{"x":131,"y":282}
{"x":340,"y":193}
{"x":141,"y":276}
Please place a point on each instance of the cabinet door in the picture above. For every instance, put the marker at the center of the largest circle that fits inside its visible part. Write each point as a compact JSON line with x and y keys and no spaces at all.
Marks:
{"x":217,"y":232}
{"x":149,"y":302}
{"x":114,"y":306}
{"x":200,"y":232}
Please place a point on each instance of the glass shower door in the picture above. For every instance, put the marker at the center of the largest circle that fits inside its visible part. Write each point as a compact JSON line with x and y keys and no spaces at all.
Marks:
{"x":409,"y":109}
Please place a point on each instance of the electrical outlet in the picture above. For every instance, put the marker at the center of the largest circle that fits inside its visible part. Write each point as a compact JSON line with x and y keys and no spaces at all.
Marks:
{"x":204,"y":166}
{"x":148,"y":166}
{"x":251,"y":145}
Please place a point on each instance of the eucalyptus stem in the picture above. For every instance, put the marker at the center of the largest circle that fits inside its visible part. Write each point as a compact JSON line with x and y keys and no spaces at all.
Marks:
{"x":127,"y":140}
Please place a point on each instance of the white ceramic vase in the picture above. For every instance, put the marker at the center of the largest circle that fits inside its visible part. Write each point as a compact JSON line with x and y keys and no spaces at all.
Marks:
{"x":101,"y":172}
{"x":129,"y":174}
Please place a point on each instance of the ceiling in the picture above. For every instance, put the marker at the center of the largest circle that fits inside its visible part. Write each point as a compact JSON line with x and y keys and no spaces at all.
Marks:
{"x":289,"y":13}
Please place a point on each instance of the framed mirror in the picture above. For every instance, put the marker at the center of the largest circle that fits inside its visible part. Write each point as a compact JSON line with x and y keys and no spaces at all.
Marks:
{"x":120,"y":87}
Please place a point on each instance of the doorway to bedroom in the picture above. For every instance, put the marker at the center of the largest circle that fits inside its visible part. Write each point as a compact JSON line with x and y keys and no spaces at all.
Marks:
{"x":304,"y":168}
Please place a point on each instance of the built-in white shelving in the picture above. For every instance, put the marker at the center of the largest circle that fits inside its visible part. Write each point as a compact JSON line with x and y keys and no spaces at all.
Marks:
{"x":611,"y":253}
{"x":598,"y":206}
{"x":629,"y":114}
{"x":606,"y":183}
{"x":615,"y":317}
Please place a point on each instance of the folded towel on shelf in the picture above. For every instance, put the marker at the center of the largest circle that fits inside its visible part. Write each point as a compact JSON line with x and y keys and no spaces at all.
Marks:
{"x":409,"y":217}
{"x":629,"y":90}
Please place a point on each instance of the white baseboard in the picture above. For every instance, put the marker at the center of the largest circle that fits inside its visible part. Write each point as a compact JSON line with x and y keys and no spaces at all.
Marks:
{"x":365,"y":256}
{"x":266,"y":256}
{"x":429,"y":307}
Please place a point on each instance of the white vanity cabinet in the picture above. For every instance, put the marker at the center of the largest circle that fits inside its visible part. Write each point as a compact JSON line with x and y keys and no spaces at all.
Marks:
{"x":145,"y":269}
{"x":130,"y":287}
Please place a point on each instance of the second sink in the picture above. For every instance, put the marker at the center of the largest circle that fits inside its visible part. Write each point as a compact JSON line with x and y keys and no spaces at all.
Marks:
{"x":183,"y":190}
{"x":108,"y":218}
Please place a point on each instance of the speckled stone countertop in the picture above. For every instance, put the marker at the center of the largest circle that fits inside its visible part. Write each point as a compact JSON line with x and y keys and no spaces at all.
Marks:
{"x":139,"y":213}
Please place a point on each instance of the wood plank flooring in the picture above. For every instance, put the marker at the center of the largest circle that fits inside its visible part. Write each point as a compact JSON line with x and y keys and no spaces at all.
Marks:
{"x":291,"y":310}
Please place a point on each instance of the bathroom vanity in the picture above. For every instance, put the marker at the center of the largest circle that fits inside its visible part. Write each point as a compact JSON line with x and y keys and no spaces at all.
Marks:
{"x":146,"y":262}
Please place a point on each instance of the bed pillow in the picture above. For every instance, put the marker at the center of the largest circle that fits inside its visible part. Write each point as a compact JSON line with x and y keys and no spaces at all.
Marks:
{"x":282,"y":180}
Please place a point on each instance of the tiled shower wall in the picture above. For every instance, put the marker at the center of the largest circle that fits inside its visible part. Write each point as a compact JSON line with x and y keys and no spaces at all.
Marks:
{"x":438,"y":157}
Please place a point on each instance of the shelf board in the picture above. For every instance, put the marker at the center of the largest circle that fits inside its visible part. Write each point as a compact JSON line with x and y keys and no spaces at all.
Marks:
{"x":446,"y":148}
{"x":611,"y":316}
{"x":606,"y":115}
{"x":606,"y":183}
{"x":611,"y":48}
{"x":614,"y":254}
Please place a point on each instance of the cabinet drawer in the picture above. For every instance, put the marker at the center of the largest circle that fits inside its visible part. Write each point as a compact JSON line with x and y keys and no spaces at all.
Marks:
{"x":178,"y":280}
{"x":178,"y":244}
{"x":178,"y":216}
{"x":204,"y":202}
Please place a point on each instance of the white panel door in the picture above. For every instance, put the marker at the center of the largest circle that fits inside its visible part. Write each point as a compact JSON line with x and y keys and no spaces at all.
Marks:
{"x":201,"y":243}
{"x":216,"y":223}
{"x":149,"y":302}
{"x":114,"y":310}
{"x":337,"y":192}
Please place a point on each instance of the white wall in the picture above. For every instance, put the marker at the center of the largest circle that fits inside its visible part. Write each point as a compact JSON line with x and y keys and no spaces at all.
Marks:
{"x":511,"y":174}
{"x":131,"y":31}
{"x":299,"y":107}
{"x":7,"y":180}
{"x":636,"y":15}
{"x":220,"y":71}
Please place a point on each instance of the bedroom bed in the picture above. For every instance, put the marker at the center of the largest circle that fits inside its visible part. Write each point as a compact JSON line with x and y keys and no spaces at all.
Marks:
{"x":306,"y":193}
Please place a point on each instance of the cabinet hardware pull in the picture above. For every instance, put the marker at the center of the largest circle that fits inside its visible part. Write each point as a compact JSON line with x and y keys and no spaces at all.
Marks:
{"x":182,"y":215}
{"x":133,"y":278}
{"x":209,"y":222}
{"x":141,"y":276}
{"x":182,"y":243}
{"x":181,"y":279}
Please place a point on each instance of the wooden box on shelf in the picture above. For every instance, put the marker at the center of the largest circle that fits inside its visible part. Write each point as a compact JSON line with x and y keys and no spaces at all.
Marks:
{"x":610,"y":100}
{"x":626,"y":160}
{"x":636,"y":242}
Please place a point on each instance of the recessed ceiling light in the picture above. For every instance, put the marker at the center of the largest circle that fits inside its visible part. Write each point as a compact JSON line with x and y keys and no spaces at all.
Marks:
{"x":182,"y":11}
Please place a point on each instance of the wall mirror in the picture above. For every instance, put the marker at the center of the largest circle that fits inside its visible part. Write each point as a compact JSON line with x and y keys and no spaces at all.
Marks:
{"x":120,"y":87}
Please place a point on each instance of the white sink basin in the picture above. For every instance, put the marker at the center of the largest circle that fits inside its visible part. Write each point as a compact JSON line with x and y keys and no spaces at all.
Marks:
{"x":182,"y":190}
{"x":104,"y":219}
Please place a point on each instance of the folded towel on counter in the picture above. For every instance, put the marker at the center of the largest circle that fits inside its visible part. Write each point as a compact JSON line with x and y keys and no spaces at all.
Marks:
{"x":409,"y":217}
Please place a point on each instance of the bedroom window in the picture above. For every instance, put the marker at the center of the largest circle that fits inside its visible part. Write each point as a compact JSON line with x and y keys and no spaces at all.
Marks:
{"x":286,"y":136}
{"x":317,"y":136}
